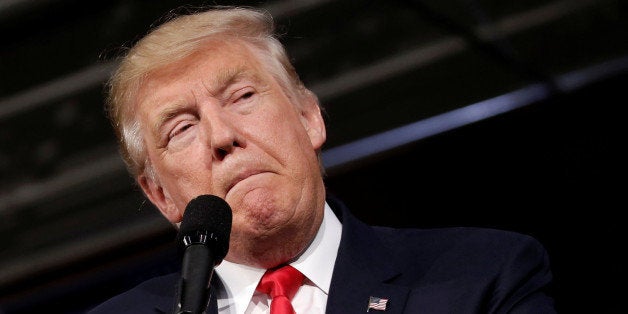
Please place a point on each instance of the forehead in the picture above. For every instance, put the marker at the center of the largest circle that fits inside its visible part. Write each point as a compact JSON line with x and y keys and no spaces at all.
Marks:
{"x":209,"y":70}
{"x":214,"y":62}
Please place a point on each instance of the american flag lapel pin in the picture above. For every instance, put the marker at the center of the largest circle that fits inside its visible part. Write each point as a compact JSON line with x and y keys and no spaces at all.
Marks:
{"x":376,"y":303}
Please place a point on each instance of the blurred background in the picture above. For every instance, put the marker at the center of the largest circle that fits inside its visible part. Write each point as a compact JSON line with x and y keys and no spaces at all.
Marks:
{"x":500,"y":114}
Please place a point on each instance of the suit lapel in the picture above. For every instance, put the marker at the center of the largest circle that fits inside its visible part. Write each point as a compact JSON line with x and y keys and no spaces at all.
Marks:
{"x":364,"y":268}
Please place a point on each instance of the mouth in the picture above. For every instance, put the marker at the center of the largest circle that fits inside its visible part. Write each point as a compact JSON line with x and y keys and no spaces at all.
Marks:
{"x":242,"y":176}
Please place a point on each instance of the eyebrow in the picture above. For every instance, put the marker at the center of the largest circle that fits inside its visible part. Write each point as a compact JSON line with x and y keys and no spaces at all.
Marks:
{"x":228,"y":77}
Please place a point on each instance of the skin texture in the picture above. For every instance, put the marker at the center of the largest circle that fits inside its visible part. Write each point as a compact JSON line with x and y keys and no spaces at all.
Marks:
{"x":218,"y":123}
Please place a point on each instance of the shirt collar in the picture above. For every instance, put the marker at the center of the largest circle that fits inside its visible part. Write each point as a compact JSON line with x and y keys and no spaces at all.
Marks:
{"x":316,"y":263}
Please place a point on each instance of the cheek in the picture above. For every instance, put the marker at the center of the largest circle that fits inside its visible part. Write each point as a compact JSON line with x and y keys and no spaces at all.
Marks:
{"x":187,"y":162}
{"x":183,"y":179}
{"x":288,"y":133}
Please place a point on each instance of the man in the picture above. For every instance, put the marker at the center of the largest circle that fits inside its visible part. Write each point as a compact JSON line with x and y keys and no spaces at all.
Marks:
{"x":208,"y":103}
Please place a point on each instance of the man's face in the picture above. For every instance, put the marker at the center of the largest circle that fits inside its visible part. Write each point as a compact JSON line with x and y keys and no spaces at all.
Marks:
{"x":218,"y":123}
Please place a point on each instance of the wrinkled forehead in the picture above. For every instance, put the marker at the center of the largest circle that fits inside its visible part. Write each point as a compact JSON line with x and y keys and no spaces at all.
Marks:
{"x":216,"y":62}
{"x":214,"y":65}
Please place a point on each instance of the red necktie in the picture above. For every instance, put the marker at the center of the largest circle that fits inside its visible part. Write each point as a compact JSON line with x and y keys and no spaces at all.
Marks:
{"x":281,"y":284}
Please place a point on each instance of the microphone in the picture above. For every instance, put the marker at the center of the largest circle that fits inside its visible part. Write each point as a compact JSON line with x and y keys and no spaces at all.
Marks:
{"x":203,"y":240}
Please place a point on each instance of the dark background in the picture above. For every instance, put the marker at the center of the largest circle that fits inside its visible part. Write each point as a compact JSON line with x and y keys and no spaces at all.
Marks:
{"x":541,"y":153}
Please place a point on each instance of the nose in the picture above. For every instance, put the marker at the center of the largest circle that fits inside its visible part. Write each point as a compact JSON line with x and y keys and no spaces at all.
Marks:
{"x":221,"y":136}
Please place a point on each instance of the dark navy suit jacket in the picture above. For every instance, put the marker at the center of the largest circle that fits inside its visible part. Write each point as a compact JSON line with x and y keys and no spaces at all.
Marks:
{"x":443,"y":270}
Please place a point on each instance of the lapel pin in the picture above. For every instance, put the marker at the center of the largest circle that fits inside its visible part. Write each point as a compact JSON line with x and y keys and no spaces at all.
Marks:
{"x":378,"y":304}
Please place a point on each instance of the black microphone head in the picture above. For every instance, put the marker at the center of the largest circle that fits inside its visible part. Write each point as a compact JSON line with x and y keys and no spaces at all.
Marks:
{"x":206,"y":220}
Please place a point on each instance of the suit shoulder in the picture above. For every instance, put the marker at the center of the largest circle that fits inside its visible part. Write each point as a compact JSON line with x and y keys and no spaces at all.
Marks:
{"x":466,"y":243}
{"x":473,"y":236}
{"x":142,"y":298}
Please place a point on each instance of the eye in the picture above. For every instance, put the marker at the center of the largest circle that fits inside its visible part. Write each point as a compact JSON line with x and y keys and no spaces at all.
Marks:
{"x":244,"y":95}
{"x":247,"y":95}
{"x":180,"y":128}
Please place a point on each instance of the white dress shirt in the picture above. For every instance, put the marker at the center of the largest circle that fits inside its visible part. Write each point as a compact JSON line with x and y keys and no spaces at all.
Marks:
{"x":316,"y":263}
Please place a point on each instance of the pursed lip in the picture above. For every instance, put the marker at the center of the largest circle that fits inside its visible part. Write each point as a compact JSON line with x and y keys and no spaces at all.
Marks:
{"x":241,"y":176}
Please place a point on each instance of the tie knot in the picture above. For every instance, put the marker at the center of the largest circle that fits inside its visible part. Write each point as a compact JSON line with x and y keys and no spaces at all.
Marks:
{"x":282,"y":281}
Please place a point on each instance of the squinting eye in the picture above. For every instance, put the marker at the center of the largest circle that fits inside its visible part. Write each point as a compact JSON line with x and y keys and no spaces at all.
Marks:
{"x":243,"y":94}
{"x":179,"y":129}
{"x":246,"y":95}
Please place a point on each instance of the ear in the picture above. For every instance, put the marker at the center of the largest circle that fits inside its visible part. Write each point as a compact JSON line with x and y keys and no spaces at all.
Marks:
{"x":312,"y":120}
{"x":159,"y":198}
